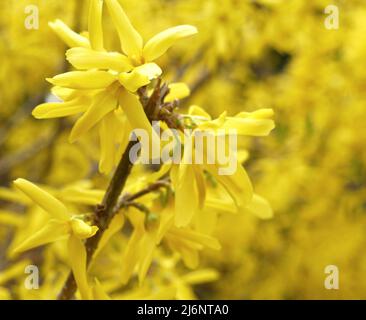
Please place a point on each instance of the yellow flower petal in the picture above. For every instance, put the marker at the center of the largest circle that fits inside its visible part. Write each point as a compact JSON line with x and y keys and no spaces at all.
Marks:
{"x":223,"y":205}
{"x":104,"y":102}
{"x":60,"y":109}
{"x":54,"y":230}
{"x":184,"y":292}
{"x":201,"y":184}
{"x":82,"y":196}
{"x":198,"y":111}
{"x":42,"y":198}
{"x":215,"y":124}
{"x":107,"y":136}
{"x":201,"y":276}
{"x":115,"y":225}
{"x":132,"y":251}
{"x":71,"y":38}
{"x":77,"y":256}
{"x":147,"y":247}
{"x":166,"y":221}
{"x":247,"y":126}
{"x":178,"y":90}
{"x":98,"y":291}
{"x":82,"y":58}
{"x":260,"y":207}
{"x":11,"y":218}
{"x":15,"y":270}
{"x":238,"y":184}
{"x":64,"y":94}
{"x":139,"y":76}
{"x":91,"y":79}
{"x":190,"y":257}
{"x":137,"y":118}
{"x":257,"y":123}
{"x":81,"y":229}
{"x":95,"y":24}
{"x":161,"y":42}
{"x":131,"y":40}
{"x":196,"y":237}
{"x":265,"y":113}
{"x":186,"y":195}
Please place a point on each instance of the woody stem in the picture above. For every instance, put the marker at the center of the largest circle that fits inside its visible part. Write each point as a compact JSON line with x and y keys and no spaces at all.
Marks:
{"x":103,"y":216}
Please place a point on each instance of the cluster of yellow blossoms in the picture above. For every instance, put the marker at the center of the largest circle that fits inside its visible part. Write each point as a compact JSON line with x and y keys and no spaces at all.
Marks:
{"x":191,"y":233}
{"x":170,"y":227}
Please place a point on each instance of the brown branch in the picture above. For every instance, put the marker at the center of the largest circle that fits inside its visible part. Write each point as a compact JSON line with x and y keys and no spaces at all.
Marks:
{"x":128,"y":199}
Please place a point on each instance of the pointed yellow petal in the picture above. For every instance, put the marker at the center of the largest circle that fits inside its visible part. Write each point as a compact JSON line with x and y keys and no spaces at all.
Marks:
{"x":186,"y":196}
{"x":103,"y":103}
{"x":166,"y":221}
{"x":82,"y":196}
{"x":201,"y":276}
{"x":115,"y":225}
{"x":196,"y":237}
{"x":46,"y":201}
{"x":147,"y":248}
{"x":178,"y":90}
{"x":161,"y":42}
{"x":223,"y":205}
{"x":137,"y":118}
{"x":265,"y":113}
{"x":190,"y":257}
{"x":107,"y":136}
{"x":132,"y":252}
{"x":95,"y":24}
{"x":82,"y":230}
{"x":201,"y":184}
{"x":257,"y":123}
{"x":15,"y":270}
{"x":139,"y":76}
{"x":77,"y":255}
{"x":54,"y":230}
{"x":91,"y":79}
{"x":215,"y":124}
{"x":71,"y":38}
{"x":60,"y":109}
{"x":238,"y":184}
{"x":198,"y":111}
{"x":131,"y":40}
{"x":64,"y":94}
{"x":247,"y":126}
{"x":184,"y":292}
{"x":82,"y":58}
{"x":260,"y":207}
{"x":98,"y":291}
{"x":11,"y":218}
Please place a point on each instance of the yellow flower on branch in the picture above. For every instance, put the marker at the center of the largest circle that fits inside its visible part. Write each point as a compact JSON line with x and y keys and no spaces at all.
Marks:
{"x":62,"y":225}
{"x":188,"y":178}
{"x":103,"y":89}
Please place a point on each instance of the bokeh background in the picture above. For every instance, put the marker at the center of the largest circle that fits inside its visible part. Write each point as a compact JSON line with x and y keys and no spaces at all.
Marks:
{"x":249,"y":54}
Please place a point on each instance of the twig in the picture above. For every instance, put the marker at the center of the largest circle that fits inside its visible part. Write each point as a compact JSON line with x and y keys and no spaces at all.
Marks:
{"x":126,"y":199}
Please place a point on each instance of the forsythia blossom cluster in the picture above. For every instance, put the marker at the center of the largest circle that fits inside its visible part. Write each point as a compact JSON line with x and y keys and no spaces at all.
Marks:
{"x":162,"y":218}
